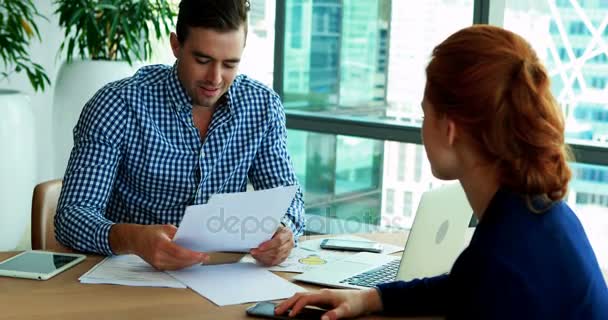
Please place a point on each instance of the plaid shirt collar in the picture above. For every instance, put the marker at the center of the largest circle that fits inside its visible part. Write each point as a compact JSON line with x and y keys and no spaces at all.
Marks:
{"x":183,"y":102}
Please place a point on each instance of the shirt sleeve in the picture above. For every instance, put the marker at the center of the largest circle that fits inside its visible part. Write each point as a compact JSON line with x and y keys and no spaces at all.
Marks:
{"x":80,"y":221}
{"x":273,"y":167}
{"x":500,"y":291}
{"x":419,"y":297}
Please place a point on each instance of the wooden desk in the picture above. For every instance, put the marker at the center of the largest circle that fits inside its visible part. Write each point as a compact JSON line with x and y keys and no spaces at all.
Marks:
{"x":63,"y":297}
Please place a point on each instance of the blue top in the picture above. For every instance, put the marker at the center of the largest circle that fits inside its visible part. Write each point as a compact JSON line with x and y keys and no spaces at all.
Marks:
{"x":138,"y":158}
{"x":518,"y":265}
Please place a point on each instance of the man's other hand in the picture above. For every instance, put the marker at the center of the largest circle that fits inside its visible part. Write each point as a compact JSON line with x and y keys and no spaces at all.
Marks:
{"x":275,"y":250}
{"x":154,"y":244}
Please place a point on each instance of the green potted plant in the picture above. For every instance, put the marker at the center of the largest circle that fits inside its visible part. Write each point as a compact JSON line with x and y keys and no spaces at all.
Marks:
{"x":17,"y":28}
{"x":17,"y":125}
{"x":113,"y":29}
{"x":104,"y":41}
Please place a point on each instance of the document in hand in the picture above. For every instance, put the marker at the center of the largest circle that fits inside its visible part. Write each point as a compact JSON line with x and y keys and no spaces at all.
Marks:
{"x":235,"y":222}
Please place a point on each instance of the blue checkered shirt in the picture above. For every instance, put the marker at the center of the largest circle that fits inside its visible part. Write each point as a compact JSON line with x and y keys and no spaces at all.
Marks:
{"x":138,"y":158}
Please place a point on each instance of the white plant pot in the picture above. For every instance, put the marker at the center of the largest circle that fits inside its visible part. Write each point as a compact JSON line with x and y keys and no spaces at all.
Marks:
{"x":17,"y":169}
{"x":76,"y":84}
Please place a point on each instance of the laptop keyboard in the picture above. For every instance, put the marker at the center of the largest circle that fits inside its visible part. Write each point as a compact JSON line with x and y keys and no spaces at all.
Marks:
{"x":384,"y":273}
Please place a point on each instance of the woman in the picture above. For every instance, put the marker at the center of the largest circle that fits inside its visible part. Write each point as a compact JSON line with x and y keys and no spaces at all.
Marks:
{"x":491,"y":122}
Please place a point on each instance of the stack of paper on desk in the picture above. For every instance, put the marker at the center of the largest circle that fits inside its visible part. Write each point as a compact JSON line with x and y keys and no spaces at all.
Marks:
{"x":221,"y":284}
{"x":235,"y":222}
{"x":129,"y":270}
{"x":236,"y":283}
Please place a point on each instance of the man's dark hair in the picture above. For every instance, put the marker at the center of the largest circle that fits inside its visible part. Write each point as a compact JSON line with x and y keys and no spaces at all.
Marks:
{"x":219,"y":15}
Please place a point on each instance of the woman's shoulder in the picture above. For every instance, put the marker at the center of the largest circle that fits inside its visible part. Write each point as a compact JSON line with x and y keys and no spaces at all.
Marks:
{"x":544,"y":256}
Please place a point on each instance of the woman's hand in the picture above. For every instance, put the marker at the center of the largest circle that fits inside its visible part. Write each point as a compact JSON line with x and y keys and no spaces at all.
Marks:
{"x":341,"y":303}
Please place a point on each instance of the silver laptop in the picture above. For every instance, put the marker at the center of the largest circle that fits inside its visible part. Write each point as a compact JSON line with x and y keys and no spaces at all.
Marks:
{"x":437,"y":237}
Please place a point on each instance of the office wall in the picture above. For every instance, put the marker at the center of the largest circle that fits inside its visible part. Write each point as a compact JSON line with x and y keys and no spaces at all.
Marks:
{"x":45,"y":53}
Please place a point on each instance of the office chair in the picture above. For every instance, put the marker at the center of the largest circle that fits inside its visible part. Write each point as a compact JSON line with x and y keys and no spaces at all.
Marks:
{"x":44,"y":205}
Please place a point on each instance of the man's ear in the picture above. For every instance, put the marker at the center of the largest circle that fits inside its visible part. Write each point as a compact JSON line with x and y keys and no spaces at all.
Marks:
{"x":175,"y":45}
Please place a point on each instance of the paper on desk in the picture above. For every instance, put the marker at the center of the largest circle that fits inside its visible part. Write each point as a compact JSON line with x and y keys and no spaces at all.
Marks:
{"x":234,"y":222}
{"x":301,"y":260}
{"x":129,"y":270}
{"x":236,"y":283}
{"x":315,"y":244}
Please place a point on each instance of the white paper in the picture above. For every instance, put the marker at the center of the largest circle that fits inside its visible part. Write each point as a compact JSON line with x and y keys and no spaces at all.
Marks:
{"x":315,"y":245}
{"x":236,"y":283}
{"x":129,"y":270}
{"x":236,"y":222}
{"x":301,"y":260}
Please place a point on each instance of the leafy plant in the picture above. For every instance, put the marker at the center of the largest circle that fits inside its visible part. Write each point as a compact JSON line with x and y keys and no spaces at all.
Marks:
{"x":17,"y":28}
{"x":113,"y":29}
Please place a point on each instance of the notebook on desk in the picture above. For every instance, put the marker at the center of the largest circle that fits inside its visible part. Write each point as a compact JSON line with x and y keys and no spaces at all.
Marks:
{"x":436,"y":239}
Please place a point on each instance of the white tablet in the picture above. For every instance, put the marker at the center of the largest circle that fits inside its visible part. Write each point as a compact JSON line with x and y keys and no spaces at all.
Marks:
{"x":40,"y":265}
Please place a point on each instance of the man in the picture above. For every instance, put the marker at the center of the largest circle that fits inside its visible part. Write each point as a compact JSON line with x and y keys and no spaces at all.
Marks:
{"x":145,"y":147}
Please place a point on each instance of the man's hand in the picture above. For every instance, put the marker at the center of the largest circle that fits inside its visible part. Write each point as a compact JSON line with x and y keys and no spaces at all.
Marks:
{"x":154,"y":244}
{"x":275,"y":250}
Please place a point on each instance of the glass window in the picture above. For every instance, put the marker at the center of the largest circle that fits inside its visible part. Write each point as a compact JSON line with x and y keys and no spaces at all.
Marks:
{"x":401,"y":164}
{"x":588,"y":196}
{"x":340,"y":176}
{"x":563,"y":54}
{"x":355,"y":54}
{"x":364,"y":59}
{"x":296,"y":26}
{"x":356,"y":164}
{"x":353,"y":181}
{"x":390,"y":201}
{"x":415,"y":31}
{"x":601,"y":58}
{"x":578,"y":28}
{"x":258,"y":56}
{"x":407,"y":204}
{"x":418,"y":163}
{"x":350,"y":183}
{"x":553,"y":28}
{"x":575,"y":60}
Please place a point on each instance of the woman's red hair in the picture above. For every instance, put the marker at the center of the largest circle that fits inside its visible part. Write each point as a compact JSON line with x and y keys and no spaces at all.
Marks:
{"x":490,"y":82}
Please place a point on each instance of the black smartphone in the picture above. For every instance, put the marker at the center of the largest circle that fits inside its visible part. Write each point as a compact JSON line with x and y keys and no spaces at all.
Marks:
{"x":351,"y":245}
{"x":265,"y":309}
